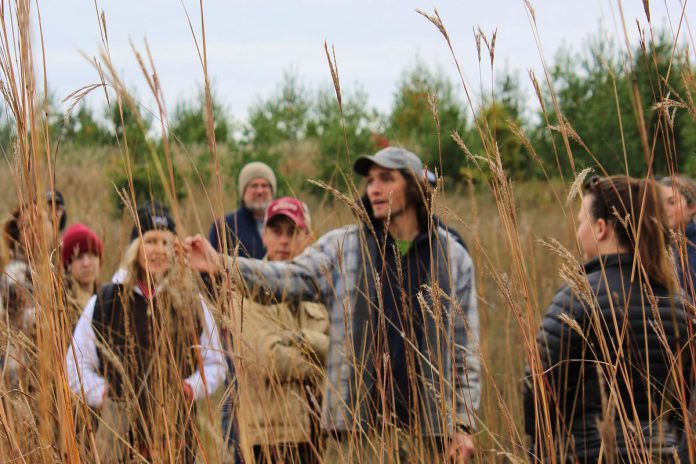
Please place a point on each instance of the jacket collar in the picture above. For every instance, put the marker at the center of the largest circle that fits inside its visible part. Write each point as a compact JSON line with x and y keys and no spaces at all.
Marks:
{"x":690,"y":231}
{"x":119,"y":278}
{"x":612,"y":260}
{"x":246,"y":211}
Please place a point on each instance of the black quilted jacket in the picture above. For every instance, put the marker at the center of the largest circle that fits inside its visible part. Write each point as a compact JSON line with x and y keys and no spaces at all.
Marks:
{"x":618,"y":357}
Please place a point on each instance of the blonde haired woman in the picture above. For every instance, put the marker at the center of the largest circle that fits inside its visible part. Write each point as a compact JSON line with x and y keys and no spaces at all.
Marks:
{"x":148,"y":341}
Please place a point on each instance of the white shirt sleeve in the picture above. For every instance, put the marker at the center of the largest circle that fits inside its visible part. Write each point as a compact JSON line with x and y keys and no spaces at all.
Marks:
{"x":214,"y":367}
{"x":83,"y":362}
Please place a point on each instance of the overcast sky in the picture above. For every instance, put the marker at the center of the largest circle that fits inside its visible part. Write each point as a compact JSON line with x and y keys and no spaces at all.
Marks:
{"x":250,"y":44}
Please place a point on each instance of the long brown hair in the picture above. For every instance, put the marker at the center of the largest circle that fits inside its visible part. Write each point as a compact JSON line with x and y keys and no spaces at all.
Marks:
{"x":419,"y":195}
{"x":685,"y":186}
{"x":633,"y":210}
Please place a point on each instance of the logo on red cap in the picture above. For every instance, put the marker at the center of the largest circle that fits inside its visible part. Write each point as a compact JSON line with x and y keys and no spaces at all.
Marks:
{"x":289,"y":207}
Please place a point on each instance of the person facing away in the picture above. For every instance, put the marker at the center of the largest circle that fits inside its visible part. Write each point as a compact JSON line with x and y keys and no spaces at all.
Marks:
{"x":614,"y":362}
{"x":145,"y":348}
{"x":81,"y":256}
{"x":257,"y":186}
{"x":280,"y":349}
{"x":679,"y":201}
{"x":402,"y":367}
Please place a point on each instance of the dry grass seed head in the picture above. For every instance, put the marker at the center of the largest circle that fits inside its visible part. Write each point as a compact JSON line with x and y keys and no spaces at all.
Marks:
{"x":576,"y":186}
{"x":571,"y":271}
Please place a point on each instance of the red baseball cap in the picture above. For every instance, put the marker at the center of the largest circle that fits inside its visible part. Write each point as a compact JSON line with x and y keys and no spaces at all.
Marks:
{"x":291,"y":208}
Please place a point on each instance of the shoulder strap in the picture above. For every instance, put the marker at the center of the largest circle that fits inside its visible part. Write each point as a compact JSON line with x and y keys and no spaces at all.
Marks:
{"x":103,"y":308}
{"x":107,"y":322}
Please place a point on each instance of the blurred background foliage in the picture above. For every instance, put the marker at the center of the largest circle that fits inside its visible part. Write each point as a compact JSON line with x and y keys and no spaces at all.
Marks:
{"x":303,"y":133}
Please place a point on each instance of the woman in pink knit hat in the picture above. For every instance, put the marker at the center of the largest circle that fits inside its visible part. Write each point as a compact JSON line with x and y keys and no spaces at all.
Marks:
{"x":81,"y":256}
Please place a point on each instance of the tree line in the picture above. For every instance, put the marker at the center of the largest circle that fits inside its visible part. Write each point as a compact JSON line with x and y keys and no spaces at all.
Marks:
{"x":623,"y":111}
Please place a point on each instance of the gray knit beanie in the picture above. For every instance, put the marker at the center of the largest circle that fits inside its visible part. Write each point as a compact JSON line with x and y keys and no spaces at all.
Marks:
{"x":252,"y":171}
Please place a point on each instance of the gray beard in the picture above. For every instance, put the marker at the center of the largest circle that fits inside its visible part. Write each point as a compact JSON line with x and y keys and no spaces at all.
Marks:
{"x":258,"y":208}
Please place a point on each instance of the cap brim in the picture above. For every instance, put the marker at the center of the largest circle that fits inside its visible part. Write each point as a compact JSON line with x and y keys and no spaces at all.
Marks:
{"x":295,"y":220}
{"x":363,"y":164}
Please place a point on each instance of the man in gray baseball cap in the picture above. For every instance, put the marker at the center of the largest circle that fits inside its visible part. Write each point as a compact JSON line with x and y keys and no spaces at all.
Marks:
{"x":389,"y":158}
{"x":384,"y":374}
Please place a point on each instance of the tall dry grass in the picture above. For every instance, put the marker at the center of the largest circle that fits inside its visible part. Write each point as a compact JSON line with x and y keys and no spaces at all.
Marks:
{"x":502,"y":224}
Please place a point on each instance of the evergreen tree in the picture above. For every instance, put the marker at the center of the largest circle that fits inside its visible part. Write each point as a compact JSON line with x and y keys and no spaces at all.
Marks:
{"x":422,"y":93}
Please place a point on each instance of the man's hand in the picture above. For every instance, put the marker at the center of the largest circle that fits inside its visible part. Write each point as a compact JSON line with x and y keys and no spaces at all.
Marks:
{"x":461,"y":449}
{"x":104,"y":397}
{"x":188,"y":391}
{"x":201,"y":255}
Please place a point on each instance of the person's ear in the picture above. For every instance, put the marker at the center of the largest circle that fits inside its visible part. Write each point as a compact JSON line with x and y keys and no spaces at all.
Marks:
{"x":312,"y":237}
{"x":602,"y":229}
{"x":264,"y":237}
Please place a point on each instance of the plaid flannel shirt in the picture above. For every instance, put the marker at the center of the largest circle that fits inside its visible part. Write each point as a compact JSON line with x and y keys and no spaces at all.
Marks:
{"x":329,"y":272}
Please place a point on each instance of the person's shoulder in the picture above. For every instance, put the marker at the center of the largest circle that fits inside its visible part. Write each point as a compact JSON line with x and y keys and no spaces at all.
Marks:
{"x":456,"y":250}
{"x":563,"y":296}
{"x":350,"y":230}
{"x":614,"y":275}
{"x":690,"y":231}
{"x":106,"y":302}
{"x":229,"y":217}
{"x":16,"y":269}
{"x":337,"y":241}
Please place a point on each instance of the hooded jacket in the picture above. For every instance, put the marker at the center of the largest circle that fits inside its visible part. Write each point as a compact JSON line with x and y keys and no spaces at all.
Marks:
{"x":686,"y":265}
{"x":580,"y":340}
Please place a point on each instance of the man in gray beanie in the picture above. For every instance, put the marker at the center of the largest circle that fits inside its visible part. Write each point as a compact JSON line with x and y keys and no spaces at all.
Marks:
{"x":257,"y":187}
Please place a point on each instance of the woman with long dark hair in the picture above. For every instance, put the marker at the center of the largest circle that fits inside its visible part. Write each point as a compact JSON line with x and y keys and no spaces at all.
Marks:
{"x":614,"y":358}
{"x":145,"y":348}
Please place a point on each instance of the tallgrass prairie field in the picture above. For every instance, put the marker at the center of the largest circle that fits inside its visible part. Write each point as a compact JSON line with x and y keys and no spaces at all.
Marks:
{"x":519,"y":229}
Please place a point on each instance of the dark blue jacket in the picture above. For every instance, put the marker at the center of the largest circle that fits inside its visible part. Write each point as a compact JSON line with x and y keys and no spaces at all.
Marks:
{"x":687,"y":277}
{"x":578,"y":346}
{"x":241,"y":228}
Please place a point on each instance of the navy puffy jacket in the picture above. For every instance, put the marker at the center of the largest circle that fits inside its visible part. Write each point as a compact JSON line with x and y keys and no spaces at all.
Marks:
{"x":580,"y":343}
{"x":241,"y":228}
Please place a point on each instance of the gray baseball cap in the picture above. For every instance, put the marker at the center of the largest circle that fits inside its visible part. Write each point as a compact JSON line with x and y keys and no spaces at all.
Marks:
{"x":389,"y":158}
